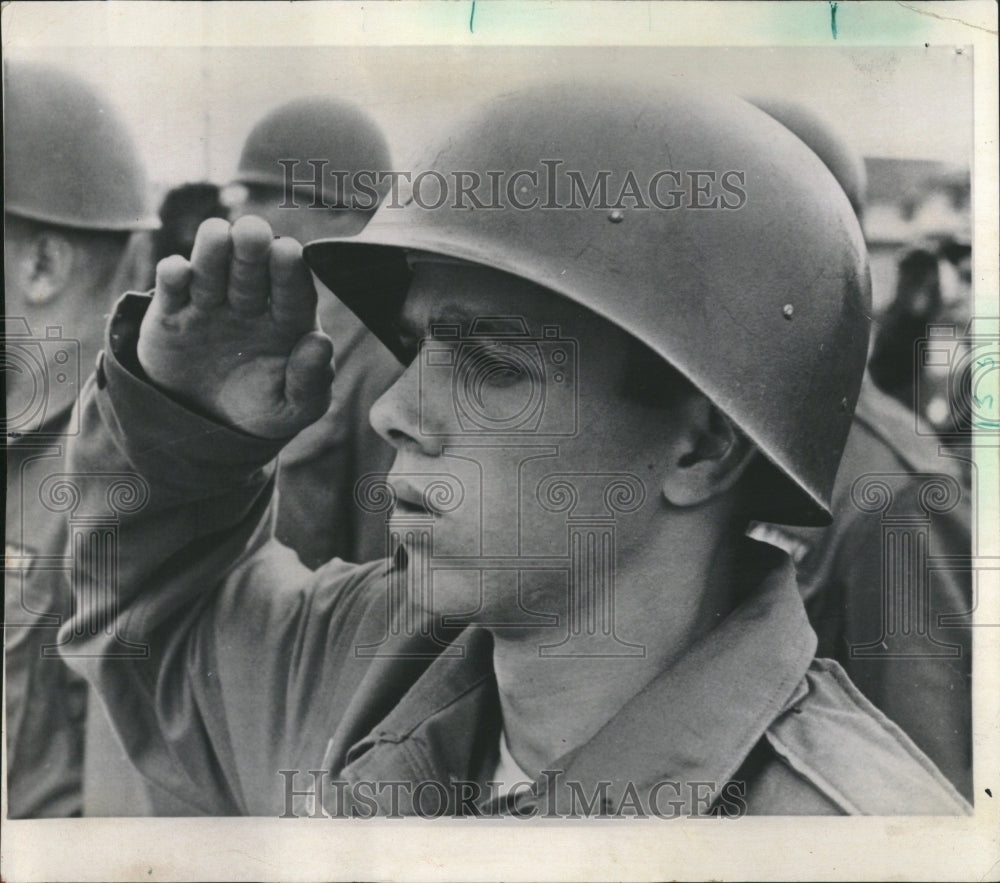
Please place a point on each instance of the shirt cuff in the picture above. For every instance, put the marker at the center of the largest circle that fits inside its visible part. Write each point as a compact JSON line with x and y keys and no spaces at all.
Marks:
{"x":161,"y":437}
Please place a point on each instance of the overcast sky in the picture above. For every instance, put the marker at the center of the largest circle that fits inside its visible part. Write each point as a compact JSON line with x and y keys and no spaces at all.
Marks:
{"x":190,"y":108}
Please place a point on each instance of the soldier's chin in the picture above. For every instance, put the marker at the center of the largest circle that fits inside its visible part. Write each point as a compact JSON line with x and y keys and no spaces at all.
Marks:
{"x":501,"y":600}
{"x":457,"y":598}
{"x":495,"y":601}
{"x":430,"y":592}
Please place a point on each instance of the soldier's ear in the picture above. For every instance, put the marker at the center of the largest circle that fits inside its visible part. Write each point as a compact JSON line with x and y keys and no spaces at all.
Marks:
{"x":707,"y":453}
{"x":47,"y":267}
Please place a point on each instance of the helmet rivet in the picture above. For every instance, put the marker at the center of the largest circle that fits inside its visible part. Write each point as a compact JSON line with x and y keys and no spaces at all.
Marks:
{"x":616,"y":216}
{"x":788,"y":311}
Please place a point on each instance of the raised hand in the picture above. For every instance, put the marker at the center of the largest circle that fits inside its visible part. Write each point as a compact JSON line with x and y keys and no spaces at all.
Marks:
{"x":233,"y":333}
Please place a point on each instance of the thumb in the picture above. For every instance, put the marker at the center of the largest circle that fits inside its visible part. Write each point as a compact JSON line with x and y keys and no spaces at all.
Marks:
{"x":309,"y":373}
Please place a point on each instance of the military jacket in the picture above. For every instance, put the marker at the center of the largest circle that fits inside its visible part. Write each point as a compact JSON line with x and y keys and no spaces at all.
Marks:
{"x":257,"y":685}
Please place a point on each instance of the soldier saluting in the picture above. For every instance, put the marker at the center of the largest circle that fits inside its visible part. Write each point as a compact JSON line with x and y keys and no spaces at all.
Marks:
{"x":718,"y":360}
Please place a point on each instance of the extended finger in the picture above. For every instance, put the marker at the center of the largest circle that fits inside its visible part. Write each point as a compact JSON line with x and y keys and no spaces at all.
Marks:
{"x":210,"y":264}
{"x":173,"y":280}
{"x":293,"y":296}
{"x":249,"y":277}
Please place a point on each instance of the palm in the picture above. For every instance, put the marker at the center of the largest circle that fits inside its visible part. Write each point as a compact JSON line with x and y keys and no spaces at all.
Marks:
{"x":234,"y":333}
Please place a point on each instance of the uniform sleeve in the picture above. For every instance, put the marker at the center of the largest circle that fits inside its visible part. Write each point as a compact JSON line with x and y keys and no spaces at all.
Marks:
{"x":921,"y":681}
{"x":201,"y":667}
{"x":848,"y":755}
{"x":44,"y":700}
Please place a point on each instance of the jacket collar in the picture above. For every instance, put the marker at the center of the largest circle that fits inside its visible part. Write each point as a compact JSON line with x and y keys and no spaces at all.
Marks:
{"x":695,"y":723}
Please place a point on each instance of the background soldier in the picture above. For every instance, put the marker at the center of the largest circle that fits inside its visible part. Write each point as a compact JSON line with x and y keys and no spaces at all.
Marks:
{"x":74,"y":192}
{"x":850,"y":595}
{"x":326,"y":143}
{"x":181,"y":213}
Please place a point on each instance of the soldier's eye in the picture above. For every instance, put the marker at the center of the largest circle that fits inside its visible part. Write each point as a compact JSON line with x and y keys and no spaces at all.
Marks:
{"x":496,"y":364}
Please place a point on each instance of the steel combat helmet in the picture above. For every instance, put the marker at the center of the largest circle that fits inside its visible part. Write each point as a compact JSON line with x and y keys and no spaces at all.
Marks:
{"x":313,"y":129}
{"x":760,"y":295}
{"x":69,"y":159}
{"x":824,"y":140}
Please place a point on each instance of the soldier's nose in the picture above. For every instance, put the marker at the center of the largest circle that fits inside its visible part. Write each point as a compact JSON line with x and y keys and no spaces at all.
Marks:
{"x":399,"y":414}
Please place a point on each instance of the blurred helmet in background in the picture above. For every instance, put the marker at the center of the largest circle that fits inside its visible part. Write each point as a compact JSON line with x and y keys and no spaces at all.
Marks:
{"x":69,"y":159}
{"x":313,"y":129}
{"x":823,"y":139}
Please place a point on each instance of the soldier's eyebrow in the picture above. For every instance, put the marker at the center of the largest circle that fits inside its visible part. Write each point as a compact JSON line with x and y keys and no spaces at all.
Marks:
{"x":413,"y":328}
{"x":453,"y":320}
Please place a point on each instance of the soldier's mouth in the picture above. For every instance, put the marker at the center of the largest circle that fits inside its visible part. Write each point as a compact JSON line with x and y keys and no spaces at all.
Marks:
{"x":409,"y":498}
